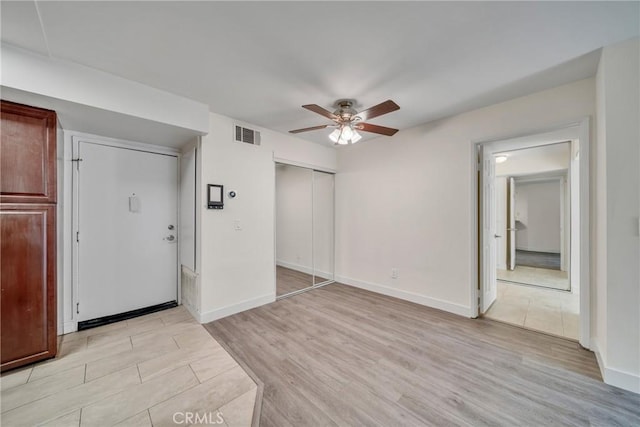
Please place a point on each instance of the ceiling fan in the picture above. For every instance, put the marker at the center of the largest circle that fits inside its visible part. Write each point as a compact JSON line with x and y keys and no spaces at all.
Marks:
{"x":348,"y":121}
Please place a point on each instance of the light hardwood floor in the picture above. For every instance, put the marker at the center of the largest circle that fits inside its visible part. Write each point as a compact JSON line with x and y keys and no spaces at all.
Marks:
{"x":343,"y":356}
{"x":138,"y":372}
{"x":545,"y":310}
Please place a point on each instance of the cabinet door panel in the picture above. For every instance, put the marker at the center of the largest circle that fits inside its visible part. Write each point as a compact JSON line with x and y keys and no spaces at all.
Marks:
{"x":27,"y":154}
{"x":28,"y":300}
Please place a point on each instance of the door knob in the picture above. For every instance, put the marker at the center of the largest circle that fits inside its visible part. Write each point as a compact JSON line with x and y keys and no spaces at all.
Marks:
{"x":170,"y":238}
{"x":497,"y":236}
{"x":170,"y":227}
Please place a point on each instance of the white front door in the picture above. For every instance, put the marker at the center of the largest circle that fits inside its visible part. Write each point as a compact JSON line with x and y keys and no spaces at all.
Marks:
{"x":488,"y":217}
{"x":127,"y":223}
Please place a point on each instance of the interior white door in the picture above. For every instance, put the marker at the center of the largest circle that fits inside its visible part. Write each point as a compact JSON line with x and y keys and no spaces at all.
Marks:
{"x":511,"y":223}
{"x":127,"y":218}
{"x":488,"y":287}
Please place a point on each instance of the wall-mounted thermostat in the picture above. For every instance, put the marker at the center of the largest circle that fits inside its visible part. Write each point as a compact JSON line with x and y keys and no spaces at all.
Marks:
{"x":214,"y":196}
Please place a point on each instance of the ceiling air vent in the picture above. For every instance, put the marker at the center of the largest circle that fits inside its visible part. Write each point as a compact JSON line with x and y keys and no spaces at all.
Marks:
{"x":247,"y":135}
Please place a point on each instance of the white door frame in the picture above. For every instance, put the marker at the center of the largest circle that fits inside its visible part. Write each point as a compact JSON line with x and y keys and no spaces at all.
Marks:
{"x":579,"y":130}
{"x":72,"y":140}
{"x":511,"y":221}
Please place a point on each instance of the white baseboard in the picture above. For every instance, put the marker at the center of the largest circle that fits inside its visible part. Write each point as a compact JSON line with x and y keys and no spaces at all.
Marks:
{"x":69,"y":327}
{"x":615,"y":377}
{"x":296,"y":267}
{"x":192,"y":311}
{"x":210,"y":316}
{"x":596,"y":350}
{"x":458,"y":309}
{"x":624,"y":380}
{"x":303,"y":269}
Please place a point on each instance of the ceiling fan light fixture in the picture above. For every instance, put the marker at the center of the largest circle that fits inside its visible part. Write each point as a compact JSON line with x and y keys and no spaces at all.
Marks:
{"x":348,"y":121}
{"x":335,"y":135}
{"x":347,"y":133}
{"x":344,"y":135}
{"x":355,"y":137}
{"x":341,"y":136}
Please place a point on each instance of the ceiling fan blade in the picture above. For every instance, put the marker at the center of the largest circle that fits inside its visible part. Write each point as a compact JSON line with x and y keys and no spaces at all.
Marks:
{"x":308,"y":129}
{"x":318,"y":109}
{"x":368,"y":127}
{"x":378,"y":110}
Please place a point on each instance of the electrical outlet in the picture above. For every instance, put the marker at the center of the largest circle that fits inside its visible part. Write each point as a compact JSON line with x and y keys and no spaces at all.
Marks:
{"x":394,"y":273}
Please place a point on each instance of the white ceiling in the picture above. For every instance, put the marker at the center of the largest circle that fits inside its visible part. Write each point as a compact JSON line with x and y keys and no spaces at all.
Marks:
{"x":536,"y":160}
{"x":260,"y":61}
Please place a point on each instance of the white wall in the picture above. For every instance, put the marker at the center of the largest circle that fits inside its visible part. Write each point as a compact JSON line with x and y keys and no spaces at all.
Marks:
{"x":294,"y":218}
{"x":187,"y":228}
{"x":599,"y":339}
{"x":415,"y":191}
{"x":538,"y":210}
{"x":618,"y":193}
{"x":237,"y":267}
{"x":92,"y":101}
{"x":189,"y":289}
{"x":86,"y":86}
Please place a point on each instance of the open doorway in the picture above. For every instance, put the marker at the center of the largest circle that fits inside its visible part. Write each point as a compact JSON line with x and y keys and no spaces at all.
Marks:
{"x":533,"y":228}
{"x":533,"y":235}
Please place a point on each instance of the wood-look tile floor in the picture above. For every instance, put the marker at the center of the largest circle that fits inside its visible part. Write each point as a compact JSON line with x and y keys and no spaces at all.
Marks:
{"x":139,"y":372}
{"x":338,"y":355}
{"x":545,"y":310}
{"x":534,"y":276}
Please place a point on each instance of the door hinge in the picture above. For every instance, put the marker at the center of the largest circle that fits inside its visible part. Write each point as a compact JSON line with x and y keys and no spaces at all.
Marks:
{"x":77,"y":161}
{"x":78,"y":236}
{"x":77,"y":308}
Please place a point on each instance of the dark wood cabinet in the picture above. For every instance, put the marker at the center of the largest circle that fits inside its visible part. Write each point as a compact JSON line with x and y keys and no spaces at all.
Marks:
{"x":28,"y":155}
{"x":28,"y":283}
{"x":28,"y":235}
